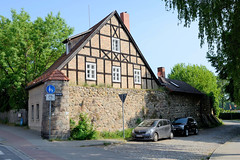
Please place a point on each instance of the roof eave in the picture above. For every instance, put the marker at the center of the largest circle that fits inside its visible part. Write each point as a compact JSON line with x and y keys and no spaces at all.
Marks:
{"x":34,"y":85}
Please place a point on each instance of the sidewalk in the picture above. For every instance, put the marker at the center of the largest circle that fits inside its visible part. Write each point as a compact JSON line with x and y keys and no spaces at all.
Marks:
{"x":31,"y":144}
{"x":228,"y":151}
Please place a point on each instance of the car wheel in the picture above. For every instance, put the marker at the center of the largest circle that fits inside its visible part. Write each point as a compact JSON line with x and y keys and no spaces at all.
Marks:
{"x":155,"y":137}
{"x":171,"y":135}
{"x":196,"y":131}
{"x":186,"y":133}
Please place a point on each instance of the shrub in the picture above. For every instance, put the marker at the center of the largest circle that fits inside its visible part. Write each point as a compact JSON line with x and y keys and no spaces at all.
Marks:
{"x":115,"y":135}
{"x":230,"y":115}
{"x":72,"y":124}
{"x":84,"y":130}
{"x":138,"y":121}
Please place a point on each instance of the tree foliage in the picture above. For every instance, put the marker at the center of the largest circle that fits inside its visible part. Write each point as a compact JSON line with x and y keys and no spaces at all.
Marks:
{"x":200,"y":78}
{"x":27,"y":49}
{"x":219,"y":25}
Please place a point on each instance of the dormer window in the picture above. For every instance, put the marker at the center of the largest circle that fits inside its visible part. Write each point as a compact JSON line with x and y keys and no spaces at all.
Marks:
{"x":115,"y":45}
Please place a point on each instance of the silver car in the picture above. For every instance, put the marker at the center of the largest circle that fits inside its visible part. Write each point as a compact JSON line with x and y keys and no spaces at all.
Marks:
{"x":153,"y":129}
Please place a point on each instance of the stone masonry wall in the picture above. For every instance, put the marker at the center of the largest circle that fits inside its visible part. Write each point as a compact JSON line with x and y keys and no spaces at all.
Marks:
{"x":60,"y":115}
{"x":104,"y":106}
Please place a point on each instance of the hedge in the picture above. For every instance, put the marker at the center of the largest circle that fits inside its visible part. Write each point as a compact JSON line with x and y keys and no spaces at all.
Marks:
{"x":229,"y":115}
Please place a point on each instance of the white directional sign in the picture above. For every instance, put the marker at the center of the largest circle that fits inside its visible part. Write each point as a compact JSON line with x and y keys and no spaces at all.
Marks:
{"x":50,"y":97}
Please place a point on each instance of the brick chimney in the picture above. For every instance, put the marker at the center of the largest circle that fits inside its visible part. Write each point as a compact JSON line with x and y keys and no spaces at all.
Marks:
{"x":125,"y":18}
{"x":161,"y":72}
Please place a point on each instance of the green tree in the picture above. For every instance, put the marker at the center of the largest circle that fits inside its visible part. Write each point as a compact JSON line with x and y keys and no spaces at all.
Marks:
{"x":27,"y":49}
{"x":219,"y":25}
{"x":200,"y":78}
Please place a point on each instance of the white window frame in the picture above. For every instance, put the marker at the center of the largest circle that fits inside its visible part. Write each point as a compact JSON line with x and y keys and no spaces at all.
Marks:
{"x":137,"y":76}
{"x":115,"y":44}
{"x":116,"y":74}
{"x":92,"y":71}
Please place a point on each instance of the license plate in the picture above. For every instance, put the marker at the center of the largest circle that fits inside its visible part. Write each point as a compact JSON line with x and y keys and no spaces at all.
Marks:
{"x":139,"y":135}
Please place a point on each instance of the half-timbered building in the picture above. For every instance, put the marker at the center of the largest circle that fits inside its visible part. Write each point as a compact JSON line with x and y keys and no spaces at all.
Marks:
{"x":105,"y":55}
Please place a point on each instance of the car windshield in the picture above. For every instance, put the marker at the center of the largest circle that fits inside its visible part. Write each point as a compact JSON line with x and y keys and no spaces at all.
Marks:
{"x":147,"y":123}
{"x":180,"y":121}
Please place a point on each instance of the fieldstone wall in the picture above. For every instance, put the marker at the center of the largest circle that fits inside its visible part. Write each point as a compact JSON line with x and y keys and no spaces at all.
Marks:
{"x":60,"y":112}
{"x":104,"y":106}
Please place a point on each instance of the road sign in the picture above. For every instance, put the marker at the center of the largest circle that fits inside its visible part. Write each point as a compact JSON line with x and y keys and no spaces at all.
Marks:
{"x":123,"y":97}
{"x":58,"y":94}
{"x":50,"y":89}
{"x":50,"y":97}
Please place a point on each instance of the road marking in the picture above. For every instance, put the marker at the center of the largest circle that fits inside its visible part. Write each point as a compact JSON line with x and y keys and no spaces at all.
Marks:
{"x":1,"y":153}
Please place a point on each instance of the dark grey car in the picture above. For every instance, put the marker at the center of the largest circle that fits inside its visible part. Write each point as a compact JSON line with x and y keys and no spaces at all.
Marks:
{"x":153,"y":129}
{"x":184,"y":126}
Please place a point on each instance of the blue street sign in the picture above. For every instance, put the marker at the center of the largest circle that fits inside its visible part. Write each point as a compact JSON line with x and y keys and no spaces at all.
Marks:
{"x":50,"y":89}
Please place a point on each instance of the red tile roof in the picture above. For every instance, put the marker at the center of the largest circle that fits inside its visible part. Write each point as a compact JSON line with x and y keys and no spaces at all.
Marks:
{"x":53,"y":75}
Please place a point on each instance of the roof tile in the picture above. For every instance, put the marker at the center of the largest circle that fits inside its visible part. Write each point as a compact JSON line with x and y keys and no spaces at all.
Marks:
{"x":51,"y":75}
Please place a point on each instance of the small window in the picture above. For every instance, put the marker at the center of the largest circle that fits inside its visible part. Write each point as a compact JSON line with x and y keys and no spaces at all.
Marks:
{"x":33,"y":112}
{"x":116,"y":74}
{"x":90,"y":71}
{"x":115,"y":44}
{"x":137,"y":76}
{"x":37,"y":111}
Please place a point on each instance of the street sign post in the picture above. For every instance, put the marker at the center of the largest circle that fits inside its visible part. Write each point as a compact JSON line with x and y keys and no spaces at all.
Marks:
{"x":50,"y":97}
{"x":123,"y":97}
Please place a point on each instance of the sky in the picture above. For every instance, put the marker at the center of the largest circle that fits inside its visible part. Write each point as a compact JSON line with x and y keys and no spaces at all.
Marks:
{"x":162,"y":40}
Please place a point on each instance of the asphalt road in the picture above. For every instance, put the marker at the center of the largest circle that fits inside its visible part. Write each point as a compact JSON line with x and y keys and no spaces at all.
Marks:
{"x":193,"y":147}
{"x":30,"y":144}
{"x":9,"y":153}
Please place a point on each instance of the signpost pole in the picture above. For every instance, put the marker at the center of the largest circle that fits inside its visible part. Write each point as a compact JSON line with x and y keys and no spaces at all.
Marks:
{"x":123,"y":97}
{"x":50,"y":112}
{"x":123,"y":119}
{"x":50,"y":97}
